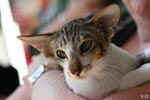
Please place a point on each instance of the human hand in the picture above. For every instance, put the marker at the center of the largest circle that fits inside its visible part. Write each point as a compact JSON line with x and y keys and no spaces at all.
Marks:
{"x":139,"y":9}
{"x":76,"y":9}
{"x":138,"y":93}
{"x":51,"y":86}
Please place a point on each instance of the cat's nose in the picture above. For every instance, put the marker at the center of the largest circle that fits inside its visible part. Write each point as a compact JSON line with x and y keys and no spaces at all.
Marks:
{"x":76,"y":70}
{"x":75,"y":66}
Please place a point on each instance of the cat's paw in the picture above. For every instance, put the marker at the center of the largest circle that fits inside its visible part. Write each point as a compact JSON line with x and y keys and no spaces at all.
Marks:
{"x":136,"y":77}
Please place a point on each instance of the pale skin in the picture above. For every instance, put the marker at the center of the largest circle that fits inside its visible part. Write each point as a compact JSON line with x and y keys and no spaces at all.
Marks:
{"x":140,"y":12}
{"x":51,"y":85}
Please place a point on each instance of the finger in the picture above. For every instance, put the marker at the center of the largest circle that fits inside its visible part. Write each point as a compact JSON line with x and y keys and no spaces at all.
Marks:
{"x":138,"y":7}
{"x":128,"y":3}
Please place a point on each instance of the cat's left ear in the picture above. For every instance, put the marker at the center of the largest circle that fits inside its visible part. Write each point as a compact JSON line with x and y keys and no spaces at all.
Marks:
{"x":108,"y":18}
{"x":42,"y":42}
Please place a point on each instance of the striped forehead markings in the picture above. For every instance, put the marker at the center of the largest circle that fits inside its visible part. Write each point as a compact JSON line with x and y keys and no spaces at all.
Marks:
{"x":70,"y":32}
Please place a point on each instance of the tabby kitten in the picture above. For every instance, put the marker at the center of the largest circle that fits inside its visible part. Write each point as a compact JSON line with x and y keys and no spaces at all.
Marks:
{"x":92,"y":65}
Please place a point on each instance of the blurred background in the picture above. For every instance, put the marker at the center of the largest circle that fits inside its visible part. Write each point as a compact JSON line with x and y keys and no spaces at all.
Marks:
{"x":19,"y":17}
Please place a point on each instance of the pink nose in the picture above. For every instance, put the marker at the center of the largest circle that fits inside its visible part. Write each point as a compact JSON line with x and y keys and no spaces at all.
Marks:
{"x":76,"y":70}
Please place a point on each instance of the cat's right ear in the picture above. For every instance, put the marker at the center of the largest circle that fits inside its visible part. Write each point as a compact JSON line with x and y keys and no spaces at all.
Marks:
{"x":42,"y":42}
{"x":108,"y":18}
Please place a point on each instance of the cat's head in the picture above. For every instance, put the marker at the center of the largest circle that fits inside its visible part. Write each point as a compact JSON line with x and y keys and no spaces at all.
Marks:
{"x":79,"y":43}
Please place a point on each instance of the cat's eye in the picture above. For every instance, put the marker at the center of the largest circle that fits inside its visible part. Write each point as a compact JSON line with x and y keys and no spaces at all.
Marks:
{"x":86,"y":46}
{"x":61,"y":54}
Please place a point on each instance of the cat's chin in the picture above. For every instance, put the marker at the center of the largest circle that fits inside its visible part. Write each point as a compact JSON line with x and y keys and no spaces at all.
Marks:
{"x":75,"y":77}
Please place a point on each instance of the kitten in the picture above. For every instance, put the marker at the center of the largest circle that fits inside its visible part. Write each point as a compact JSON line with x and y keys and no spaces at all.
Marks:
{"x":92,"y":65}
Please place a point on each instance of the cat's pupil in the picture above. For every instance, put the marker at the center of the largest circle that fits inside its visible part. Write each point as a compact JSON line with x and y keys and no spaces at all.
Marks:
{"x":61,"y":54}
{"x":86,"y":46}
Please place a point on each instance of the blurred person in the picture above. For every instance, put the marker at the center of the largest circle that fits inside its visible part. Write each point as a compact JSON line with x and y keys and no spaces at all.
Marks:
{"x":52,"y":83}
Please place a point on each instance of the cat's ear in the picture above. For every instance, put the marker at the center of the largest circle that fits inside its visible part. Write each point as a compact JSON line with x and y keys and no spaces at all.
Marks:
{"x":108,"y":18}
{"x":42,"y":42}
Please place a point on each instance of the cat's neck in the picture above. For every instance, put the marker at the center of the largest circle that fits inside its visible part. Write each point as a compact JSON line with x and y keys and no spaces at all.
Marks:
{"x":120,"y":58}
